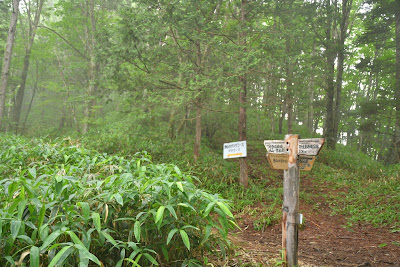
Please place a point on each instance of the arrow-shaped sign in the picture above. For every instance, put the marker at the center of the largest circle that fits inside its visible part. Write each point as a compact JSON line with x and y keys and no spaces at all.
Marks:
{"x":309,"y":147}
{"x":275,"y":146}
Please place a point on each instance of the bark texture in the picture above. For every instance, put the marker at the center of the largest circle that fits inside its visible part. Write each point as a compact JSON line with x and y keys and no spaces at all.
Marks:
{"x":7,"y":58}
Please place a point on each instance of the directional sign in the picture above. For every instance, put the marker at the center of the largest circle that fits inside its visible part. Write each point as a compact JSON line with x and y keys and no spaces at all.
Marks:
{"x":235,"y":150}
{"x":275,"y":146}
{"x":310,"y":147}
{"x":280,"y":162}
{"x":306,"y":162}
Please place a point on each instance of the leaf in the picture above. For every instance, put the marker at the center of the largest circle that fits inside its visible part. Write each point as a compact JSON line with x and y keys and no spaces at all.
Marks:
{"x":74,"y":238}
{"x":15,"y":226}
{"x":134,"y":263}
{"x":165,"y":252}
{"x":185,"y":238}
{"x":50,"y":239}
{"x":35,"y":256}
{"x":172,"y":211}
{"x":32,"y":172}
{"x":187,"y":205}
{"x":119,"y":199}
{"x":225,"y":209}
{"x":10,"y":260}
{"x":109,"y":238}
{"x":96,"y":221}
{"x":21,"y":208}
{"x":58,"y":256}
{"x":160,"y":214}
{"x":136,"y":230}
{"x":210,"y":206}
{"x":382,"y":245}
{"x":150,"y":258}
{"x":41,"y":215}
{"x":85,"y":209}
{"x":179,"y":184}
{"x":26,"y":238}
{"x":85,"y":254}
{"x":171,"y":234}
{"x":207,"y":233}
{"x":177,"y":170}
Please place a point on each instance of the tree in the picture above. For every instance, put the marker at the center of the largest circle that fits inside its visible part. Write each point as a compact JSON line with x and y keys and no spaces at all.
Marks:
{"x":7,"y":57}
{"x":28,"y":49}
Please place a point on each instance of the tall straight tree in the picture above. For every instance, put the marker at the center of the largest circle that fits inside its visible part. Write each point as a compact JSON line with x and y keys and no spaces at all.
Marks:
{"x":243,"y":96}
{"x":343,"y":32}
{"x":28,"y":49}
{"x":93,"y":66}
{"x":7,"y":57}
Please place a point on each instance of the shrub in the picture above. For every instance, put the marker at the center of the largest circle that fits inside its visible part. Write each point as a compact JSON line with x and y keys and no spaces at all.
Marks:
{"x":63,"y":204}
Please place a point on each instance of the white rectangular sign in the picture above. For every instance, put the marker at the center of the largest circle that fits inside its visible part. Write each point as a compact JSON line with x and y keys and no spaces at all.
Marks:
{"x":311,"y":146}
{"x":275,"y":146}
{"x":235,"y":150}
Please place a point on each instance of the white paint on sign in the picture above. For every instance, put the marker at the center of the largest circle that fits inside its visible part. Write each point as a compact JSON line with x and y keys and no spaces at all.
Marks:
{"x":275,"y":146}
{"x":310,"y":147}
{"x":235,"y":150}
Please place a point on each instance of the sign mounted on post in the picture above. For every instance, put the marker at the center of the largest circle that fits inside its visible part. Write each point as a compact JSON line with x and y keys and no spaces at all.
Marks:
{"x":291,"y":155}
{"x":235,"y":150}
{"x":280,"y":162}
{"x":309,"y":147}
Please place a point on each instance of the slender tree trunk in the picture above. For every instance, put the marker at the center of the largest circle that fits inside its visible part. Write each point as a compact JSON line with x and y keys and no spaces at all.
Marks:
{"x":346,"y":8}
{"x":330,"y":88}
{"x":289,"y":87}
{"x":7,"y":58}
{"x":93,"y":68}
{"x":310,"y":115}
{"x":21,"y":90}
{"x":199,"y":109}
{"x":243,"y":99}
{"x":33,"y":96}
{"x":397,"y":92}
{"x":197,"y":141}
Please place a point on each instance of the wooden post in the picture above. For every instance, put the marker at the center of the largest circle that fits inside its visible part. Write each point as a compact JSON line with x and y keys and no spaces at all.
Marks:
{"x":291,"y":203}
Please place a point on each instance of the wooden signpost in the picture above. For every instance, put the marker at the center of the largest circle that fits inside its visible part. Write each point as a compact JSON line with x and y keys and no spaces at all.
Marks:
{"x":291,"y":155}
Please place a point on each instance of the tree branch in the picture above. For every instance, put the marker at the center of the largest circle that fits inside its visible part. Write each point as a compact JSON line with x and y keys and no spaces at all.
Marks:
{"x":65,"y":40}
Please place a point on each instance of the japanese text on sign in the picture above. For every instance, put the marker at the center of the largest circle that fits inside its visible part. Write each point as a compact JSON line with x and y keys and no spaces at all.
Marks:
{"x":235,"y":150}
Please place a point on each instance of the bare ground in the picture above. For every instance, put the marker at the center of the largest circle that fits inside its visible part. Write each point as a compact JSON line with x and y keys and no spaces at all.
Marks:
{"x":323,"y":239}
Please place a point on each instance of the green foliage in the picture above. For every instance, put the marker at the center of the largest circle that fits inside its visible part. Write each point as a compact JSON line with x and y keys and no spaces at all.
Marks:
{"x":370,"y":190}
{"x":359,"y":164}
{"x":68,"y":205}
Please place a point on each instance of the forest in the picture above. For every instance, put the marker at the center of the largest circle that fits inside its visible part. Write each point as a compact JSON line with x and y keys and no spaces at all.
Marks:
{"x":113,"y":116}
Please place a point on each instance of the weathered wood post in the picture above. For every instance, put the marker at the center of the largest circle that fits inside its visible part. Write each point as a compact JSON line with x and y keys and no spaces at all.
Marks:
{"x":291,"y":155}
{"x":291,"y":203}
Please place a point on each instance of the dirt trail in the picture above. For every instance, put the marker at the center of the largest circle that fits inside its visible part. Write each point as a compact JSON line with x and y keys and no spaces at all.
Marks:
{"x":323,"y":240}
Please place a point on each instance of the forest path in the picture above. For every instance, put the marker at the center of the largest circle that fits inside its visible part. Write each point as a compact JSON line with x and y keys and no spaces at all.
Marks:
{"x":324,"y":240}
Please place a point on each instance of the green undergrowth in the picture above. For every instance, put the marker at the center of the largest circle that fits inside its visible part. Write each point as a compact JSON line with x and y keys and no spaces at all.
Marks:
{"x":64,"y":205}
{"x":363,"y":190}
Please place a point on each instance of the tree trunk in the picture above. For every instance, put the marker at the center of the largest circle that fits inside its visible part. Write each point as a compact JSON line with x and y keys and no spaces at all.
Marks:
{"x":330,"y":88}
{"x":199,"y":109}
{"x":243,"y":99}
{"x":93,"y":68}
{"x":197,"y":141}
{"x":33,"y":96}
{"x":289,"y":91}
{"x":346,"y":8}
{"x":7,"y":58}
{"x":397,"y":87}
{"x":310,"y":115}
{"x":21,"y":90}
